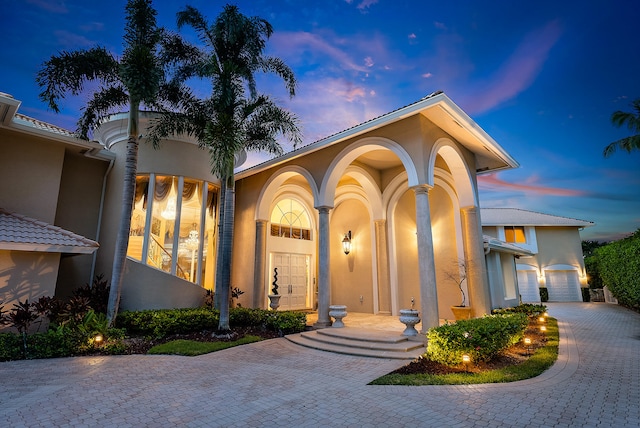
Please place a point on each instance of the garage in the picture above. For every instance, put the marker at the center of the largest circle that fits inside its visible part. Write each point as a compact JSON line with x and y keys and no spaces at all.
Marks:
{"x":528,"y":286}
{"x":563,"y":286}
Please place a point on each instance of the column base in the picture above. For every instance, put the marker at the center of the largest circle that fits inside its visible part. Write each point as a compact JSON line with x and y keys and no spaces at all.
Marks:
{"x":322,"y":324}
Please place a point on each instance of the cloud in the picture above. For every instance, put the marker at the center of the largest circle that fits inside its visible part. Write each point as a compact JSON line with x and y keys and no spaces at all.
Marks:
{"x":412,"y":36}
{"x":365,"y":4}
{"x":301,"y":44}
{"x":518,"y":72}
{"x":529,"y":186}
{"x":439,"y":25}
{"x":92,"y":26}
{"x":55,"y":6}
{"x":368,"y":61}
{"x":427,"y":75}
{"x":71,"y":40}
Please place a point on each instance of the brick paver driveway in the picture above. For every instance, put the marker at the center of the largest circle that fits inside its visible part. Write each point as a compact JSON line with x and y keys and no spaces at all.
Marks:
{"x":275,"y":383}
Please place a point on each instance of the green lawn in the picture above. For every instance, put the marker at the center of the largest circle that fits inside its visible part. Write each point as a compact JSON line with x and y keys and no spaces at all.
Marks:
{"x":192,"y":348}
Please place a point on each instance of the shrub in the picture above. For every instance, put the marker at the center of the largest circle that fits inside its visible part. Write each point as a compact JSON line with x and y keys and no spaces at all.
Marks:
{"x":480,"y":338}
{"x":161,"y":323}
{"x":618,"y":265}
{"x":529,"y":309}
{"x":245,"y":317}
{"x":544,"y":294}
{"x":10,"y":347}
{"x":286,"y":322}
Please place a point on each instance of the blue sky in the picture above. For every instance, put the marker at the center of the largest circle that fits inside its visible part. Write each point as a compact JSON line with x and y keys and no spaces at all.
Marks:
{"x":542,"y":78}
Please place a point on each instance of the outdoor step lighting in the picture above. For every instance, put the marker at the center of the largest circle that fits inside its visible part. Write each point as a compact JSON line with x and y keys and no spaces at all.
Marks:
{"x":98,"y":339}
{"x":346,"y":243}
{"x":466,"y":359}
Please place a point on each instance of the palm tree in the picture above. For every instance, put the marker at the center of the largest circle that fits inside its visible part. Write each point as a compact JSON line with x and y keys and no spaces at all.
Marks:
{"x":131,"y":81}
{"x":235,"y":117}
{"x":632,"y":120}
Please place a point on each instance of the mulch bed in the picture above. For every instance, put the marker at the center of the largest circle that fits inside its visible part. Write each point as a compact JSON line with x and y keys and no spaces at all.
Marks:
{"x":514,"y":355}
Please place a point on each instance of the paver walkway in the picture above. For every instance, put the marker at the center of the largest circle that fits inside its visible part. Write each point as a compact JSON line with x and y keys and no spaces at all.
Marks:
{"x":595,"y":383}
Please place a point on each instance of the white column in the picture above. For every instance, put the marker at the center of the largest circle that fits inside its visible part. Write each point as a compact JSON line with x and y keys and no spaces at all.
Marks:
{"x":324,"y":286}
{"x":259,"y":264}
{"x":426,"y":263}
{"x":477,"y":283}
{"x":384,"y":289}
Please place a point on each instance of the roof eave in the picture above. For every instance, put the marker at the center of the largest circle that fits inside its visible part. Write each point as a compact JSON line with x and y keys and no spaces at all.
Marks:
{"x":45,"y":248}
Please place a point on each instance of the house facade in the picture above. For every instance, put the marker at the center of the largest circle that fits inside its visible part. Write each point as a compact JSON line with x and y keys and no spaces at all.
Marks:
{"x":399,"y":190}
{"x":556,"y":263}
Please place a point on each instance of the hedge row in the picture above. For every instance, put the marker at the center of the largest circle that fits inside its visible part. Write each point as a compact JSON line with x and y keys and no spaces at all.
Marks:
{"x":480,"y":338}
{"x":161,"y":323}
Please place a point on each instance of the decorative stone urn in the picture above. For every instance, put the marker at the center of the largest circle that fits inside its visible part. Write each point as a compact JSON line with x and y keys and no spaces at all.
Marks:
{"x":338,"y":312}
{"x":274,"y":301}
{"x":461,"y":312}
{"x":410,"y":318}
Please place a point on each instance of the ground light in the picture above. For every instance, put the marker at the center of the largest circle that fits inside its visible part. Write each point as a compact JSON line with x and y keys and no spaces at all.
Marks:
{"x":466,"y":359}
{"x":527,"y":342}
{"x":98,"y":339}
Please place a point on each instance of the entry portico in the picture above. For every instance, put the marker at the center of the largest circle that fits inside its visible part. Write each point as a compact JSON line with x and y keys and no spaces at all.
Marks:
{"x":403,"y":185}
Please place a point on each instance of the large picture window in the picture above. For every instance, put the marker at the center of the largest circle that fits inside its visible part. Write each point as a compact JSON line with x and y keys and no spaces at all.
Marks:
{"x":173,"y":223}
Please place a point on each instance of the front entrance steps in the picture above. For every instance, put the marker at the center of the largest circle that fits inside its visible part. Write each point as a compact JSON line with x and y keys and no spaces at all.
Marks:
{"x":361,"y":342}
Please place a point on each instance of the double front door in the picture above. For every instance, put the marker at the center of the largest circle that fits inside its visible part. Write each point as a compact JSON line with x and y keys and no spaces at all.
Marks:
{"x":292,"y":279}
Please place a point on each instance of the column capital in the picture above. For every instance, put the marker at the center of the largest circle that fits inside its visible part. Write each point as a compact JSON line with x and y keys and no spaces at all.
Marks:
{"x":421,"y":189}
{"x":380,"y":222}
{"x":324,"y":209}
{"x":470,"y":209}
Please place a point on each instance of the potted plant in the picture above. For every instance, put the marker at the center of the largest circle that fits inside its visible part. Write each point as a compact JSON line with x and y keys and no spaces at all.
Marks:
{"x":461,"y":311}
{"x":274,"y":297}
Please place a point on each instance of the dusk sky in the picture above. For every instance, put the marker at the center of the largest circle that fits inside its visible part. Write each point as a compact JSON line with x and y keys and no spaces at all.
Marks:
{"x":542,"y":78}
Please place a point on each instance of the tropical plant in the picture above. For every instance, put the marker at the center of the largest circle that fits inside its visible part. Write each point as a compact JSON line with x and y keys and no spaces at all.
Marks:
{"x":235,"y":117}
{"x":133,"y":80}
{"x":632,"y":120}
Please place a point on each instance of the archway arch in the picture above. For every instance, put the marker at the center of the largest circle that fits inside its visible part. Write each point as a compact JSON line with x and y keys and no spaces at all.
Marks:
{"x":273,"y":185}
{"x":454,"y":159}
{"x":340,"y":163}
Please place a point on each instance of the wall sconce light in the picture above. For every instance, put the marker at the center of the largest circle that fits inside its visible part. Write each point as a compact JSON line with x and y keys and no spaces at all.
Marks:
{"x":346,"y":243}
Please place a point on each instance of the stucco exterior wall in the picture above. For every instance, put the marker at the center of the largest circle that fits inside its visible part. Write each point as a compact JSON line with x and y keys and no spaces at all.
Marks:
{"x":352,"y":274}
{"x":30,"y":175}
{"x":559,"y":245}
{"x":149,"y":288}
{"x":27,"y":275}
{"x":78,"y":210}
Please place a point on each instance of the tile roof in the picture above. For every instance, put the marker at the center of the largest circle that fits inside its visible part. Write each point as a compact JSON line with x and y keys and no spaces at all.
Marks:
{"x":38,"y":124}
{"x":519,"y":217}
{"x":22,"y":233}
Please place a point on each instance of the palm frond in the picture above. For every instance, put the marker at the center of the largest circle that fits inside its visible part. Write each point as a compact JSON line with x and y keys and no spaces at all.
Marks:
{"x":627,"y":144}
{"x":68,"y":72}
{"x":102,"y":103}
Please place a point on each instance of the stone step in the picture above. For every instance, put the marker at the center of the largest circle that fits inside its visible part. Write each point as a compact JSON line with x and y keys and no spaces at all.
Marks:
{"x":377,"y":344}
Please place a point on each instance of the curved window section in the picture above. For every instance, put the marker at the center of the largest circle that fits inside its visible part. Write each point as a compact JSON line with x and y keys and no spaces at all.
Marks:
{"x":289,"y":219}
{"x":173,"y":223}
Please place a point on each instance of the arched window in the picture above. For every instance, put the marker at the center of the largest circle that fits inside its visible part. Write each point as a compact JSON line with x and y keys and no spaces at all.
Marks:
{"x":289,"y":219}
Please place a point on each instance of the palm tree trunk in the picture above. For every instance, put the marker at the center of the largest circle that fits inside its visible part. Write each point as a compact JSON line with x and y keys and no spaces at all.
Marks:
{"x":227,"y":250}
{"x":128,"y":192}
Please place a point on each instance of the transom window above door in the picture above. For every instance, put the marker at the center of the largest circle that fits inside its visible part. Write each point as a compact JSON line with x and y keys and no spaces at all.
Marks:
{"x":289,"y":219}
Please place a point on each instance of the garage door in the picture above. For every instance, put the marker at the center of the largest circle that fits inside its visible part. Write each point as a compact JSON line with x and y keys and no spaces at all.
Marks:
{"x":528,"y":286}
{"x":563,"y":286}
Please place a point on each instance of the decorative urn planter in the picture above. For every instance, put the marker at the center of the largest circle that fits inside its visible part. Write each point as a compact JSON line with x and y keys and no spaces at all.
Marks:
{"x":410,"y":318}
{"x":461,"y":312}
{"x":338,"y":312}
{"x":274,"y":301}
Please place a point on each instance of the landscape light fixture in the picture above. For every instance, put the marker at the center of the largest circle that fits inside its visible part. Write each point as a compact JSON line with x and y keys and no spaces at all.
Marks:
{"x":346,"y":243}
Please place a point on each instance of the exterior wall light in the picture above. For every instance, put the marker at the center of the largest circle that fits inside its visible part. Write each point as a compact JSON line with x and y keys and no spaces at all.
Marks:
{"x":346,"y":243}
